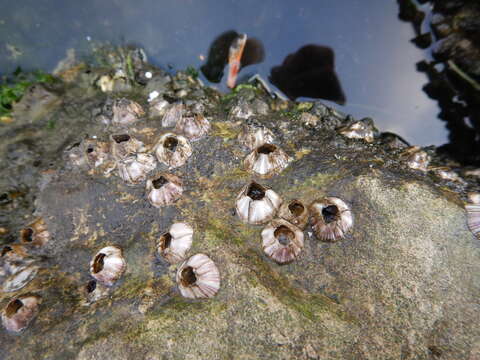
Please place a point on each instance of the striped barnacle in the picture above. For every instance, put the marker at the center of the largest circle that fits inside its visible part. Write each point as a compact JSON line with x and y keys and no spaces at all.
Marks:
{"x":473,"y":213}
{"x":35,"y":234}
{"x":194,"y":127}
{"x":108,"y":265}
{"x":124,"y":145}
{"x":198,"y":277}
{"x":173,"y":115}
{"x":266,"y":160}
{"x":126,"y":112}
{"x":282,"y":241}
{"x":362,"y":129}
{"x":173,"y":150}
{"x":255,"y":135}
{"x":295,"y":212}
{"x":20,"y":312}
{"x":331,"y":218}
{"x":416,"y":158}
{"x":164,"y":190}
{"x":257,"y":204}
{"x":134,"y":169}
{"x":175,"y":243}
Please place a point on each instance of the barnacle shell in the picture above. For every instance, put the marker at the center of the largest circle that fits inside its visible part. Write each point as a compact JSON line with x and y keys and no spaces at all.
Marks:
{"x":362,"y":129}
{"x":198,"y":277}
{"x":173,"y":115}
{"x":257,"y":204}
{"x":126,"y":112}
{"x":193,"y":127}
{"x":254,"y":135}
{"x":134,"y":169}
{"x":158,"y":107}
{"x":94,"y":291}
{"x":175,"y":243}
{"x":108,"y":265}
{"x":96,"y":152}
{"x":473,"y":213}
{"x":164,"y":189}
{"x":266,"y":160}
{"x":22,"y":276}
{"x":416,"y":158}
{"x":19,"y":312}
{"x":295,"y":212}
{"x":14,"y":258}
{"x":124,"y":145}
{"x":282,"y":241}
{"x":447,"y":174}
{"x":331,"y":218}
{"x":36,"y":233}
{"x":173,"y":150}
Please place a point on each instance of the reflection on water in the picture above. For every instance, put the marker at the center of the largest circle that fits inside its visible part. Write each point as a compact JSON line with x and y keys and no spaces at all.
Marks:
{"x":374,"y":58}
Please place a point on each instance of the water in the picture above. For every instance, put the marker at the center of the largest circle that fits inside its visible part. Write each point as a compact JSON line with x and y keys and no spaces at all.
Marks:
{"x":375,"y":60}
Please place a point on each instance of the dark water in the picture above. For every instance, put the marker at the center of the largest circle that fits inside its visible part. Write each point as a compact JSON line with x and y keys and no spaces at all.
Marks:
{"x":374,"y":59}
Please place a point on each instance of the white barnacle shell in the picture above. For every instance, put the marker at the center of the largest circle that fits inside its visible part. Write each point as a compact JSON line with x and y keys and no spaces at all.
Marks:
{"x":416,"y":158}
{"x":295,"y":212}
{"x":358,"y":130}
{"x":198,"y":277}
{"x":36,"y":233}
{"x":126,"y":112}
{"x":282,"y":241}
{"x":257,"y":204}
{"x":175,"y":243}
{"x":94,"y":291}
{"x":447,"y":174}
{"x":253,"y":135}
{"x":124,"y":145}
{"x":96,"y":152}
{"x":173,"y":150}
{"x":193,"y":127}
{"x":15,"y":258}
{"x":20,"y":278}
{"x":164,"y":190}
{"x":158,"y":106}
{"x":108,"y":265}
{"x":19,"y":312}
{"x":473,"y":213}
{"x":266,"y":160}
{"x":173,"y":115}
{"x":331,"y":218}
{"x":134,"y":169}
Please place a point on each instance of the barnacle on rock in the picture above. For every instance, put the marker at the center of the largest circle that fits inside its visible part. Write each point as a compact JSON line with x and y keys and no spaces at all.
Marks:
{"x":331,"y":218}
{"x":295,"y":212}
{"x":198,"y":277}
{"x":416,"y":158}
{"x":282,"y":241}
{"x":20,"y":312}
{"x":134,"y":169}
{"x":96,"y":152}
{"x":175,"y":243}
{"x":21,"y":277}
{"x":254,"y":135}
{"x":447,"y":174}
{"x":94,"y":291}
{"x":15,"y":258}
{"x":36,"y":233}
{"x":158,"y":107}
{"x":124,"y":145}
{"x":126,"y":112}
{"x":164,"y":189}
{"x":473,"y":213}
{"x":173,"y":150}
{"x":362,"y":129}
{"x":193,"y":127}
{"x":108,"y":265}
{"x":173,"y":115}
{"x":257,"y":204}
{"x":266,"y":160}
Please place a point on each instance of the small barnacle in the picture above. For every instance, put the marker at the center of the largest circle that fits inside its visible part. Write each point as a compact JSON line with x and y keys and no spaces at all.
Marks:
{"x":331,"y":218}
{"x":175,"y":243}
{"x":158,"y":106}
{"x":173,"y":115}
{"x":198,"y":277}
{"x":416,"y":158}
{"x":126,"y":112}
{"x":20,"y":278}
{"x":257,"y":204}
{"x":164,"y":189}
{"x":242,"y":110}
{"x":254,"y":135}
{"x":193,"y":127}
{"x":124,"y":145}
{"x":447,"y":174}
{"x":94,"y":291}
{"x":173,"y":150}
{"x":282,"y":241}
{"x":96,"y":152}
{"x":36,"y":233}
{"x":362,"y":129}
{"x":15,"y":258}
{"x":134,"y":169}
{"x":295,"y":212}
{"x":20,"y":312}
{"x":473,"y":213}
{"x":266,"y":160}
{"x":108,"y":265}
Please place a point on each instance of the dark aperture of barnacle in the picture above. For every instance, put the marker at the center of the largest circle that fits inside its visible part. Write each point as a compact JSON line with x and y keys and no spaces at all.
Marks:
{"x":266,"y":160}
{"x":294,"y":212}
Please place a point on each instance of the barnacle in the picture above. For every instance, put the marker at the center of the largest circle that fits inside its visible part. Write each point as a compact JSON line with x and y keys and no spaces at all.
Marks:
{"x":173,"y":150}
{"x":20,"y":312}
{"x":94,"y":291}
{"x":126,"y":112}
{"x":124,"y":145}
{"x":36,"y":233}
{"x":164,"y":189}
{"x":295,"y":212}
{"x":193,"y":127}
{"x":14,"y":258}
{"x":254,"y":135}
{"x":158,"y":106}
{"x":134,"y":169}
{"x":416,"y":158}
{"x":362,"y":129}
{"x":266,"y":160}
{"x":331,"y":218}
{"x":447,"y":174}
{"x":108,"y":265}
{"x":21,"y":277}
{"x":175,"y":243}
{"x":198,"y":277}
{"x":257,"y":204}
{"x":96,"y":152}
{"x":473,"y":213}
{"x":173,"y":115}
{"x":282,"y":241}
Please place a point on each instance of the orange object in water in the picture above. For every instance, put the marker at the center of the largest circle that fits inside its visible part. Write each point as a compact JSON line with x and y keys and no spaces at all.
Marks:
{"x":234,"y":56}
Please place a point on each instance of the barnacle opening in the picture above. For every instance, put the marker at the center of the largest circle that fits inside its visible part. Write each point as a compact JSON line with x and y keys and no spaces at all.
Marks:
{"x":266,"y":149}
{"x":5,"y":250}
{"x":90,"y":149}
{"x":330,"y":213}
{"x":296,"y":208}
{"x":13,"y":307}
{"x":98,"y":263}
{"x":188,"y":276}
{"x":158,"y":183}
{"x":171,"y":143}
{"x":26,"y":235}
{"x":91,"y":286}
{"x":256,"y":191}
{"x":121,"y":138}
{"x":165,"y":241}
{"x":284,"y":235}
